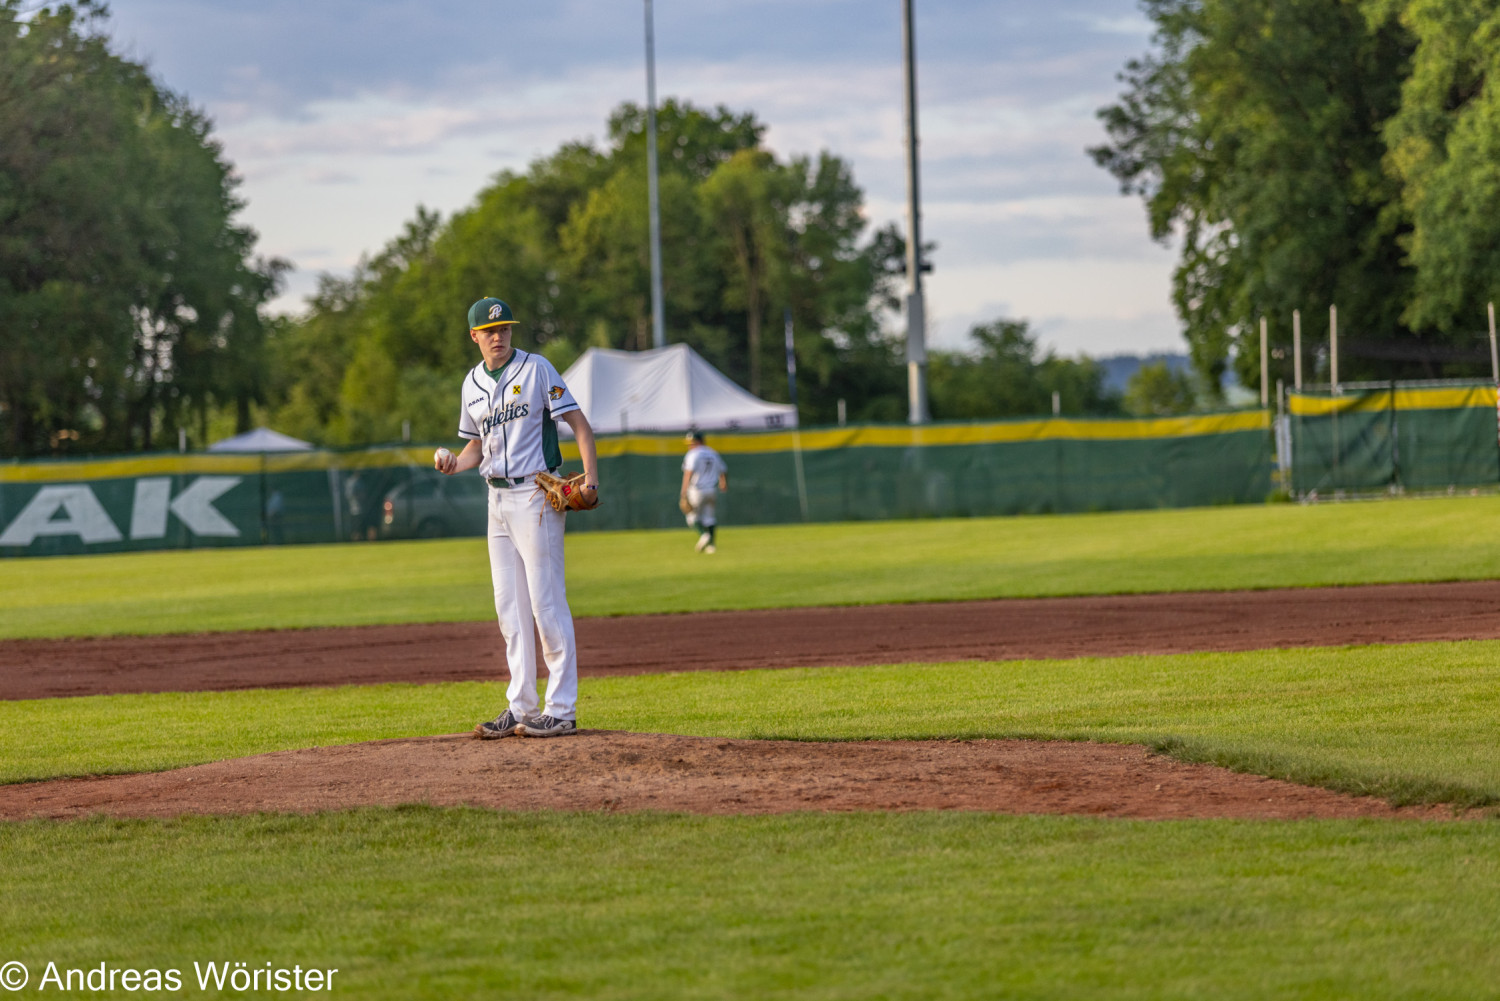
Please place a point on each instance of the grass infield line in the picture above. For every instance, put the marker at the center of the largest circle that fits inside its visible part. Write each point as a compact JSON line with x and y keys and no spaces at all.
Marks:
{"x":420,"y":903}
{"x":623,"y":573}
{"x":1410,"y":723}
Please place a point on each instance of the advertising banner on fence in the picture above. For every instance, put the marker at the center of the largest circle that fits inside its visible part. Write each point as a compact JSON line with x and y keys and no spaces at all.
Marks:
{"x":146,"y":502}
{"x":193,"y":501}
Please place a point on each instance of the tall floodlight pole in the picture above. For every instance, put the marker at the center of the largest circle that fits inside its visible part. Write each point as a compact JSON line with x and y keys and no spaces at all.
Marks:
{"x":658,"y":309}
{"x":916,"y":335}
{"x":1494,"y":349}
{"x":1297,"y":349}
{"x":1265,"y":385}
{"x":1333,"y":349}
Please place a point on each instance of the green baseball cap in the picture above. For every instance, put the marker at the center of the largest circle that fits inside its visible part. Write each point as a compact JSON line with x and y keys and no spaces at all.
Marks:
{"x":489,"y":312}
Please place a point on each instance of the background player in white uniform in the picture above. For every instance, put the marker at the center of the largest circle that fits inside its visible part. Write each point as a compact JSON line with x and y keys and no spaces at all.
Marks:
{"x":511,"y":401}
{"x":704,"y":475}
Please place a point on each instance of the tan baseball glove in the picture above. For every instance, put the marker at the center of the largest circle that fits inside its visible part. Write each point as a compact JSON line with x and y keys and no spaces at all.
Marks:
{"x":684,"y":505}
{"x":567,"y":494}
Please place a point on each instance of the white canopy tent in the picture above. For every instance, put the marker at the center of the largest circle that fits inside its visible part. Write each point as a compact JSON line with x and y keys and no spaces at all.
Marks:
{"x":260,"y":440}
{"x":666,"y":389}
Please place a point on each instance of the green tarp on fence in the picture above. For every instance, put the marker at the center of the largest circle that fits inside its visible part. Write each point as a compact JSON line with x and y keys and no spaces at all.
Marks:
{"x":1023,"y":467}
{"x":1006,"y":467}
{"x":1400,"y":437}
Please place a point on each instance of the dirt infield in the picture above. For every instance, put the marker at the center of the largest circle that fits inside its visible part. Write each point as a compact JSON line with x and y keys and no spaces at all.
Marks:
{"x":612,"y":770}
{"x":872,"y":634}
{"x":606,"y":770}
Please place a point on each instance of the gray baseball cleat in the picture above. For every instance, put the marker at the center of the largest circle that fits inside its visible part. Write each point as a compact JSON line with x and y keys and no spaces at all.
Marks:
{"x":703,"y":542}
{"x":548,"y":726}
{"x":504,"y":725}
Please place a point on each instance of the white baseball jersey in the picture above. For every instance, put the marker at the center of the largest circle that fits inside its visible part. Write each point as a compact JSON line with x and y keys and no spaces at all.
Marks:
{"x":706,"y":467}
{"x":513,"y":413}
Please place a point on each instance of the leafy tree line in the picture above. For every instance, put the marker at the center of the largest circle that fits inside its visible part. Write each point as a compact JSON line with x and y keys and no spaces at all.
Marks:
{"x":129,"y":298}
{"x":1008,"y":375}
{"x":745,"y":236}
{"x":1314,"y":152}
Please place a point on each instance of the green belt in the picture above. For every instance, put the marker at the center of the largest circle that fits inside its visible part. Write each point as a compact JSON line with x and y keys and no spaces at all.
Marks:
{"x":499,"y":482}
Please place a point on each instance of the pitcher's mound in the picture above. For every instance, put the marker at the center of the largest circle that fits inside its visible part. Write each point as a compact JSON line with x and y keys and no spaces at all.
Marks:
{"x":615,"y":770}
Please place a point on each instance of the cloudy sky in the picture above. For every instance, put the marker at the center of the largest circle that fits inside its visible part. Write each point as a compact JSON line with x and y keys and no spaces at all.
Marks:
{"x":343,"y":115}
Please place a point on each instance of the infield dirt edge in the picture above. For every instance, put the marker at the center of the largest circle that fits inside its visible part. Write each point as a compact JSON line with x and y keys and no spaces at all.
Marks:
{"x":599,"y":770}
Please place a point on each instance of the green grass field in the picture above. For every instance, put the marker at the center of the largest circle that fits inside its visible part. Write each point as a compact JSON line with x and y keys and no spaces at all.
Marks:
{"x":781,"y":566}
{"x":419,"y":903}
{"x":424,"y":903}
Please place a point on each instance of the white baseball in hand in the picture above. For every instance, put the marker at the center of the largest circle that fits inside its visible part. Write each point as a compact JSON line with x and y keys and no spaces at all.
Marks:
{"x":441,"y":459}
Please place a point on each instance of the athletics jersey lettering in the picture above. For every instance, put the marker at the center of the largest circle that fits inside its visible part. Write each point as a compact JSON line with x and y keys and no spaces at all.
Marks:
{"x":512,"y":412}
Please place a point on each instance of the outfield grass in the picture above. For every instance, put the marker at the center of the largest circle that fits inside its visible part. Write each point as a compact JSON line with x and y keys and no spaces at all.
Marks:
{"x":1411,"y":723}
{"x":422,"y":903}
{"x":774,"y":566}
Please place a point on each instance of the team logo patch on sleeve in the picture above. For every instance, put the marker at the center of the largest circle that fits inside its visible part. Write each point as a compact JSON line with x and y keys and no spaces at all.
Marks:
{"x":555,"y":392}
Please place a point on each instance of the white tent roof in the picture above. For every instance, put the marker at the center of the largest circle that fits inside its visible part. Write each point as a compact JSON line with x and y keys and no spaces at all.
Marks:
{"x":260,"y":440}
{"x":666,"y":389}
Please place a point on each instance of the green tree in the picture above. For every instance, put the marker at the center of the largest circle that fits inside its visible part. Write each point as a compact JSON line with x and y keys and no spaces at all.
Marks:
{"x":129,"y":298}
{"x":607,"y":270}
{"x":744,"y":200}
{"x":1253,"y":133}
{"x":1444,"y":147}
{"x":836,"y":282}
{"x":1156,"y":390}
{"x":1007,"y":375}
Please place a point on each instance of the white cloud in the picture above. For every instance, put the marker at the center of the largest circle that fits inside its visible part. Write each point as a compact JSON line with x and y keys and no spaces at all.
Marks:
{"x":324,"y":175}
{"x":1135,"y":25}
{"x":1100,"y":306}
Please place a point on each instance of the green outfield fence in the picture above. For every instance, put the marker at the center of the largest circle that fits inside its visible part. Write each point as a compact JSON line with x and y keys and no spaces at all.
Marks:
{"x":1386,"y":437}
{"x":1392,"y":437}
{"x":948,"y":470}
{"x":169,"y":501}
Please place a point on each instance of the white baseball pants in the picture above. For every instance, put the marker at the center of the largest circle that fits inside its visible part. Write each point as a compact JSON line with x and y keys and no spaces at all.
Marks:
{"x":526,"y":566}
{"x":704,"y":503}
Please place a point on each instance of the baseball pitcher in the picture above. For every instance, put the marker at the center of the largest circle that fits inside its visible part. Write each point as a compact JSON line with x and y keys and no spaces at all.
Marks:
{"x":510,"y":404}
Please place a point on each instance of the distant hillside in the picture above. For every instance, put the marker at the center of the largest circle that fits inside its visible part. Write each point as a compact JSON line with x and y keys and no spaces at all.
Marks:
{"x":1119,"y":368}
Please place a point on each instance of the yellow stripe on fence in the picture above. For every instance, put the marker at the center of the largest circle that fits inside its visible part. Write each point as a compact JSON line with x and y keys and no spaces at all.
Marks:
{"x":143,"y":465}
{"x":1051,"y":429}
{"x":198,"y":463}
{"x":1439,"y":398}
{"x":1056,"y":428}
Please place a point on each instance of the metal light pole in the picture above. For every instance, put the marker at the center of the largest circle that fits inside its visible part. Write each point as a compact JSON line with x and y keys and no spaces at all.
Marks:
{"x":1333,"y":349}
{"x":1265,"y":383}
{"x":658,"y":309}
{"x":916,"y":334}
{"x":1494,"y":350}
{"x":1297,"y":349}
